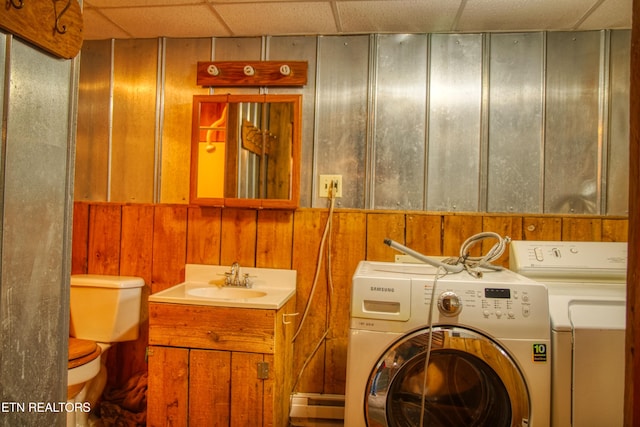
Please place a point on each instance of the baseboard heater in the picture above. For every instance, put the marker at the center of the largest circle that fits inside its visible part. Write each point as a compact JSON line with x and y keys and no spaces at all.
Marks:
{"x":314,"y":409}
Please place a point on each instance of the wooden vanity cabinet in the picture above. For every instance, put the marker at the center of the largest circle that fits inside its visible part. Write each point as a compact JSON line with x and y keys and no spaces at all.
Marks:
{"x":219,"y":366}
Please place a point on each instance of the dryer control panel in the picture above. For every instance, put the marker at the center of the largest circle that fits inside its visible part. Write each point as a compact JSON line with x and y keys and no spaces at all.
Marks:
{"x":575,"y":261}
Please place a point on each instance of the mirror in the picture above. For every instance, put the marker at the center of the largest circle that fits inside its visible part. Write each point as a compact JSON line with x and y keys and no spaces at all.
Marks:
{"x":245,"y":150}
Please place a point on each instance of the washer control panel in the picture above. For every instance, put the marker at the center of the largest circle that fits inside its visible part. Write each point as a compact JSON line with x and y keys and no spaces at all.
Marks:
{"x":398,"y":297}
{"x":491,"y":302}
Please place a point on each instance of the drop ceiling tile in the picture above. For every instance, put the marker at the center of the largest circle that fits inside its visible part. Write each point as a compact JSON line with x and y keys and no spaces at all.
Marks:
{"x":522,"y":15}
{"x":612,"y":14}
{"x":278,"y":18}
{"x":97,"y":27}
{"x":222,"y":18}
{"x":167,"y":21}
{"x":405,"y":16}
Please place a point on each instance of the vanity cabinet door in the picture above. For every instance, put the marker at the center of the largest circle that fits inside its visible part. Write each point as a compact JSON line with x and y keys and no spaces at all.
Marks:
{"x":168,"y":387}
{"x":209,"y":390}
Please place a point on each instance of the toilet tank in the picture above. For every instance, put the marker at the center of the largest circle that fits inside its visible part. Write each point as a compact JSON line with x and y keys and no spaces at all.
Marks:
{"x":105,"y":308}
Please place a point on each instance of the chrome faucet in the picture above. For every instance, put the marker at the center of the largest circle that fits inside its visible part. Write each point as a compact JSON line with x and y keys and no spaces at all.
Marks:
{"x":232,"y":277}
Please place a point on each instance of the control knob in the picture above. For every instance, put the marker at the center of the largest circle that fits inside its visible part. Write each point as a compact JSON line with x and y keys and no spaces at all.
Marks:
{"x":449,"y":304}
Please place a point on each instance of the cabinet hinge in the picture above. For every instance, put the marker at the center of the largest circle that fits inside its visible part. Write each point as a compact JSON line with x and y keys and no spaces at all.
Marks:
{"x":263,"y":370}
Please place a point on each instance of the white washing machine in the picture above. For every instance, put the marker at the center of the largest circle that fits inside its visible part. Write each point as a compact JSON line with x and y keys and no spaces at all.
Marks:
{"x":487,"y":352}
{"x":587,"y":299}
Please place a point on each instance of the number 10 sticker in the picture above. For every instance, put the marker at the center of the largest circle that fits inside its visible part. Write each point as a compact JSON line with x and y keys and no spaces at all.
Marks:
{"x":539,"y":352}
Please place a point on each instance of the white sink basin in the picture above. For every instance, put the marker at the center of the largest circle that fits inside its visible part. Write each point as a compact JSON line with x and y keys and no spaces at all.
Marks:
{"x":204,"y":285}
{"x":225,"y":293}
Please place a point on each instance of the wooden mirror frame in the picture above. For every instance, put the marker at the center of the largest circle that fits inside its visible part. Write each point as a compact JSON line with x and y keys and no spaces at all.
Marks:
{"x":296,"y":141}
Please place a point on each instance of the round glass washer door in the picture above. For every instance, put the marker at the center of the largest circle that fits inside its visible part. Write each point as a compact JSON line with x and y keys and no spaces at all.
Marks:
{"x":470,"y":381}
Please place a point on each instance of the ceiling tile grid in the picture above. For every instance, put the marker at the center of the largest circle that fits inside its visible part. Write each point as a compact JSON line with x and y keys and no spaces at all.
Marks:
{"x":106,"y":19}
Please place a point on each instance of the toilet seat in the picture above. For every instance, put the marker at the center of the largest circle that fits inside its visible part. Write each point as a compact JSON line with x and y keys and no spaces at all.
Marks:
{"x":82,"y":352}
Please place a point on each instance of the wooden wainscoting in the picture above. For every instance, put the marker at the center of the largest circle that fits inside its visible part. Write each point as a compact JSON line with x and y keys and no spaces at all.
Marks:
{"x":156,"y":241}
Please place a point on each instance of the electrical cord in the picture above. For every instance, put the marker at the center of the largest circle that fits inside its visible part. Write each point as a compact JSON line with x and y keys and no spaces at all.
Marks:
{"x":441,"y":272}
{"x":326,"y":238}
{"x":475,"y":265}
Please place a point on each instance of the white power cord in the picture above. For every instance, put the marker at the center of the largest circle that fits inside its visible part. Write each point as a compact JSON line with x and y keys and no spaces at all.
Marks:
{"x":326,"y":238}
{"x":474,"y":265}
{"x":441,"y":272}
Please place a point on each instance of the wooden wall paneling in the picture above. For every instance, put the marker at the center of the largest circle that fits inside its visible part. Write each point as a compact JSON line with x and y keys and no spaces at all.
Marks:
{"x":424,"y":233}
{"x":169,"y":246}
{"x":579,"y":229}
{"x":542,"y":228}
{"x":168,"y":373}
{"x":118,"y":243}
{"x":615,"y":230}
{"x":136,"y":245}
{"x":203,"y":235}
{"x":247,"y":392}
{"x":209,"y":388}
{"x":347,"y":250}
{"x":238,"y":237}
{"x":135,"y":260}
{"x":457,"y":229}
{"x":80,"y":238}
{"x":274,"y":242}
{"x":308,"y":227}
{"x":104,"y":239}
{"x":381,"y":226}
{"x":505,"y":226}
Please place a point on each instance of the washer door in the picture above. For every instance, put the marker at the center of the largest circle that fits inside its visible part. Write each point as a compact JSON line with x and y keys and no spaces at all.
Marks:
{"x":470,"y":381}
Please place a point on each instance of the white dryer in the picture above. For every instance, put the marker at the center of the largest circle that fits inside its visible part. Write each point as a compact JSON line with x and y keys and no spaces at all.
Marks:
{"x":485,"y":348}
{"x":587,"y":295}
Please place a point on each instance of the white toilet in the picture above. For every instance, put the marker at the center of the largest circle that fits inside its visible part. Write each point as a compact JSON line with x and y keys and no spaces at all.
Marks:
{"x":104,"y":310}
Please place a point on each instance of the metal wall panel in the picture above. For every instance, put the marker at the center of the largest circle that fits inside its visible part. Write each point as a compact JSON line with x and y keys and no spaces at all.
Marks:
{"x":34,"y":304}
{"x":516,"y":137}
{"x":303,"y":48}
{"x":618,"y":160}
{"x":179,"y":85}
{"x":134,"y":131}
{"x":505,"y":115}
{"x":94,"y":121}
{"x":572,"y":144}
{"x":342,"y":116}
{"x":237,"y":49}
{"x":399,"y":129}
{"x":455,"y":99}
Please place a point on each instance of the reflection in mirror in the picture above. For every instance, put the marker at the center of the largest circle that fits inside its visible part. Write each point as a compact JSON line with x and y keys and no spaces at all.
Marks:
{"x":245,"y":151}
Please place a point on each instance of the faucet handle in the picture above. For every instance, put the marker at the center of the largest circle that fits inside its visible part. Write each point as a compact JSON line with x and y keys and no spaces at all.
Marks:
{"x":228,"y":278}
{"x":247,"y":281}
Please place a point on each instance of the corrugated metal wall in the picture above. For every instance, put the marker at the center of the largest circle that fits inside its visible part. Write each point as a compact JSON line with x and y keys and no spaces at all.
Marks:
{"x":523,"y":123}
{"x":36,"y":171}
